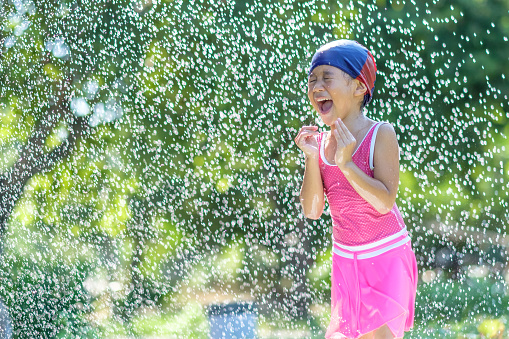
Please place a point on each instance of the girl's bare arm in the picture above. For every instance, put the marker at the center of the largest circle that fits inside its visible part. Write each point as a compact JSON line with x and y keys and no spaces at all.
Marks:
{"x":311,"y":193}
{"x":380,"y":191}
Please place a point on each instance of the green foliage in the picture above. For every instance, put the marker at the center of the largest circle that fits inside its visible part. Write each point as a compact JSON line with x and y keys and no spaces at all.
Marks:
{"x":42,"y":284}
{"x":205,"y":100}
{"x":445,"y":300}
{"x":190,"y":322}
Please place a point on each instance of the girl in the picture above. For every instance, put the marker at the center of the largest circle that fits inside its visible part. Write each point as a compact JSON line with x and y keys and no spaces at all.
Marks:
{"x":356,"y":165}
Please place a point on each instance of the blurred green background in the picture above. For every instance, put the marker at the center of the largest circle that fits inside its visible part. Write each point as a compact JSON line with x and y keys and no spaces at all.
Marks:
{"x":149,"y":168}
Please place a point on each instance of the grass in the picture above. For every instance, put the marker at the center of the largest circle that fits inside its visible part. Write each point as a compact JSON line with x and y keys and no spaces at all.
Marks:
{"x":192,"y":323}
{"x":445,"y":308}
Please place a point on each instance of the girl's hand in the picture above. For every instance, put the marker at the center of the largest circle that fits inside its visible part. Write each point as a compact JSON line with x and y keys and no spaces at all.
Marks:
{"x":345,"y":144}
{"x":306,"y":141}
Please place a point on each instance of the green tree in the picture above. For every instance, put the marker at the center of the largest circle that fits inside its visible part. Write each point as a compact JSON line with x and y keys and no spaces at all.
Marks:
{"x":142,"y":134}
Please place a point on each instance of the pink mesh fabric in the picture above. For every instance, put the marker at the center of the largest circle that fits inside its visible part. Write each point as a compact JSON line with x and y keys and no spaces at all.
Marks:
{"x":355,"y":221}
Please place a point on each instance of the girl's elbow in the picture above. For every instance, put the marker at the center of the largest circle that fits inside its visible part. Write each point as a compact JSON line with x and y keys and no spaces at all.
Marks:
{"x":311,"y":211}
{"x":385,"y":208}
{"x":313,"y":215}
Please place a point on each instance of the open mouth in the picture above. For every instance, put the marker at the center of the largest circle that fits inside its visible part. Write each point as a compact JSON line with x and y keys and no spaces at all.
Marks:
{"x":324,"y":105}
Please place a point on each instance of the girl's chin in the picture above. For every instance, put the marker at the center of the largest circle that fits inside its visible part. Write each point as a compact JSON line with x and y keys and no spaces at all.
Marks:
{"x":328,"y":119}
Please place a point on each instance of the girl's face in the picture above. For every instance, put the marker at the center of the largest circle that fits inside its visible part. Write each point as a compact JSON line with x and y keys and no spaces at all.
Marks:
{"x":333,"y":93}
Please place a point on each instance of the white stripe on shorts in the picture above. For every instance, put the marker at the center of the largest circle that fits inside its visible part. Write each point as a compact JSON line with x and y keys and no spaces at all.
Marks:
{"x":373,"y":244}
{"x":374,"y":253}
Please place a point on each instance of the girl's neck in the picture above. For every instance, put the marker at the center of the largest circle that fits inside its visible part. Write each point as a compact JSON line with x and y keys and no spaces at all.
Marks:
{"x":352,"y":121}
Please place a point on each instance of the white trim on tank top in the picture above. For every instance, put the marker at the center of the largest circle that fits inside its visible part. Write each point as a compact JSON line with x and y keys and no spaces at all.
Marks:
{"x":372,"y":147}
{"x":322,"y":153}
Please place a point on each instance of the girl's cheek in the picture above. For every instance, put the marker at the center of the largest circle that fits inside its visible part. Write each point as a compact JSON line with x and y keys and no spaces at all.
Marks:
{"x":310,"y":94}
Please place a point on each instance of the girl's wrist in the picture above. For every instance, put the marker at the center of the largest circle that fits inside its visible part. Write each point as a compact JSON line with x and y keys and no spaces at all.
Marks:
{"x":310,"y":158}
{"x":346,"y":166}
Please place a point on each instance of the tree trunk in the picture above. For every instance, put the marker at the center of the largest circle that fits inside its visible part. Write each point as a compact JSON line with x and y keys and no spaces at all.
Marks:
{"x":140,"y":232}
{"x":299,"y":248}
{"x":34,"y":160}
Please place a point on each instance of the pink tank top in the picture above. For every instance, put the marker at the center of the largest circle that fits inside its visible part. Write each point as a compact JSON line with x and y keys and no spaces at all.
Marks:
{"x":354,"y":220}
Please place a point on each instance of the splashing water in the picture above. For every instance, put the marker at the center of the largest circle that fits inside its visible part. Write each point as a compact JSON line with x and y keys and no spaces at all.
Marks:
{"x":149,"y":165}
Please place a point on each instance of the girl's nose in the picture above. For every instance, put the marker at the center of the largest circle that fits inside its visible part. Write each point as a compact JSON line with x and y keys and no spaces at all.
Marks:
{"x":318,"y":86}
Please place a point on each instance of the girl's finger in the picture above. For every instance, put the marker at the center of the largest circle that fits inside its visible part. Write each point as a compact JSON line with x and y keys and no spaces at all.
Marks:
{"x":348,"y":138}
{"x":339,"y":140}
{"x":308,"y":134}
{"x":342,"y":135}
{"x":306,"y":128}
{"x":305,"y":135}
{"x":342,"y":127}
{"x":338,"y":127}
{"x":336,"y":135}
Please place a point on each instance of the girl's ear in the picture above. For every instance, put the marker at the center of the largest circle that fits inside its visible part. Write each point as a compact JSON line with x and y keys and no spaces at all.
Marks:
{"x":360,"y":89}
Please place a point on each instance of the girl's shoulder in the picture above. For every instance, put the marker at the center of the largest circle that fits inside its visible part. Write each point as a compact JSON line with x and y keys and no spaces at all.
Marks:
{"x":385,"y":129}
{"x":382,"y":127}
{"x":384,"y":137}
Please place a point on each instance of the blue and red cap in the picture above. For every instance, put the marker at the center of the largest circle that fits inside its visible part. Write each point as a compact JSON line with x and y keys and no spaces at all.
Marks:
{"x":350,"y":57}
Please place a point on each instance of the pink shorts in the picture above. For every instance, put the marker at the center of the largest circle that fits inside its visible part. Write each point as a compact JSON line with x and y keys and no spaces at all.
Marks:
{"x":373,"y":285}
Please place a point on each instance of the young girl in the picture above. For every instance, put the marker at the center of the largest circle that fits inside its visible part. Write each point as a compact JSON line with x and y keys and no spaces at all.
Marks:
{"x":356,"y":165}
